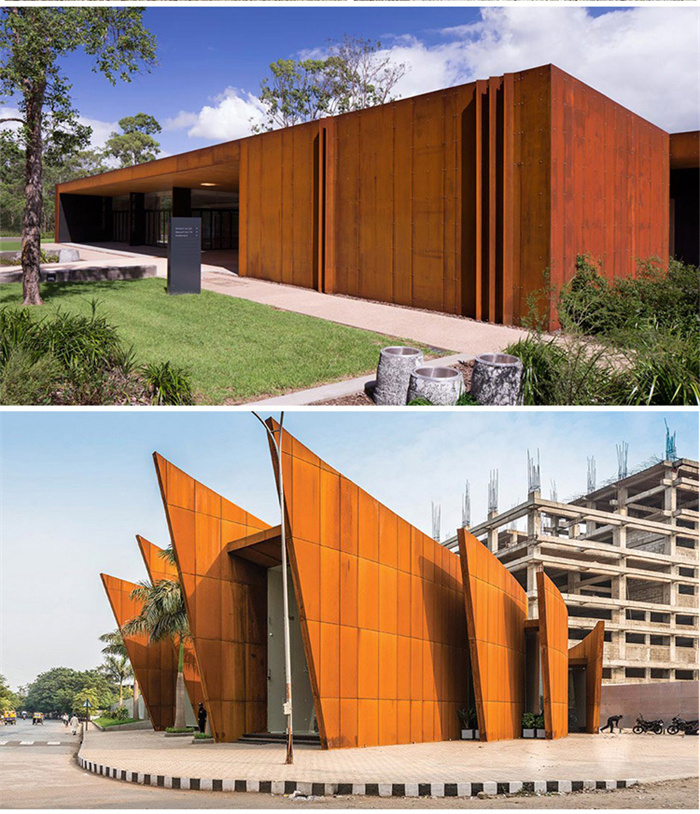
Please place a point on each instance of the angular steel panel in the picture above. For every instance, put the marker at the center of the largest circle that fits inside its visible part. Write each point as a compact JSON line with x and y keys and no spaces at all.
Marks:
{"x":590,"y":651}
{"x":154,"y":665}
{"x":554,"y":644}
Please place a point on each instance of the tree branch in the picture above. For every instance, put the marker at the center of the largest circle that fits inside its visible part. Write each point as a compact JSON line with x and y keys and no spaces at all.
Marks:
{"x":21,"y":121}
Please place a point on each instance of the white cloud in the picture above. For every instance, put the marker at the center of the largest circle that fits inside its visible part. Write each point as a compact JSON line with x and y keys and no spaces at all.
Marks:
{"x":101,"y":131}
{"x":230,"y":117}
{"x":643,"y":58}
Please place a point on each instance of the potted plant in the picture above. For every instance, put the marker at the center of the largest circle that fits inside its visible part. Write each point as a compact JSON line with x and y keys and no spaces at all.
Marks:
{"x":539,"y":726}
{"x":468,"y":719}
{"x":533,"y":725}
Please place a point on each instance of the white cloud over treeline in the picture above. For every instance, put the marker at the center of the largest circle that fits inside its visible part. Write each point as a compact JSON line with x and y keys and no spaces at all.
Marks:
{"x":645,"y":58}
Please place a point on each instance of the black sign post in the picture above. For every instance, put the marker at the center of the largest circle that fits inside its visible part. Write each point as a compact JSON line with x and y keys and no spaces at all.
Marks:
{"x":185,"y":256}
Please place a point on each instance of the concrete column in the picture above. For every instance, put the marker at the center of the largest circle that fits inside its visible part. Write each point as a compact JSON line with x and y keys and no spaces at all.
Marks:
{"x":492,"y":534}
{"x":137,"y":221}
{"x":534,"y":521}
{"x":182,"y":202}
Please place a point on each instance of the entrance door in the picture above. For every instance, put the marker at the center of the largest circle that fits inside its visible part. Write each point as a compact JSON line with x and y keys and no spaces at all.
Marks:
{"x":577,"y":699}
{"x":304,"y":718}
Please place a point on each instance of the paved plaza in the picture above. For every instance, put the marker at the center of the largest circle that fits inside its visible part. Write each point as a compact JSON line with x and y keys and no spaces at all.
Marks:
{"x":587,"y":758}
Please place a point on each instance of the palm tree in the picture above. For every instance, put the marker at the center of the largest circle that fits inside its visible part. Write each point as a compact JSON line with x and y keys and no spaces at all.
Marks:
{"x":117,"y":669}
{"x":163,"y":616}
{"x":114,"y":644}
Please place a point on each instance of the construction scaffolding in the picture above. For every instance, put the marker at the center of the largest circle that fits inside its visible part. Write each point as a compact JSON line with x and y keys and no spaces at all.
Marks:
{"x":626,"y":553}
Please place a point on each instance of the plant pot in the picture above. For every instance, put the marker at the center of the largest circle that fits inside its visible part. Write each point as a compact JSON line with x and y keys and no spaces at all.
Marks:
{"x":541,"y":733}
{"x":470,"y":734}
{"x":529,"y":733}
{"x":394,"y":373}
{"x":439,"y":385}
{"x":496,"y":379}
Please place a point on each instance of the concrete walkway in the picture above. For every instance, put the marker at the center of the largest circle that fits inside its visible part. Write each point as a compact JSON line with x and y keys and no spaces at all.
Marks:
{"x":436,"y":330}
{"x":456,"y":767}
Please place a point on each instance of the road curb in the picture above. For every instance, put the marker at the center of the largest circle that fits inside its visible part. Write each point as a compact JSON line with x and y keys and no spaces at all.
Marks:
{"x":282,"y":787}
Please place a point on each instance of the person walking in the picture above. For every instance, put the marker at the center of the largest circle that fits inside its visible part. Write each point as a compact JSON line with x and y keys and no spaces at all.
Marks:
{"x":202,"y":717}
{"x":74,"y":724}
{"x":65,"y":719}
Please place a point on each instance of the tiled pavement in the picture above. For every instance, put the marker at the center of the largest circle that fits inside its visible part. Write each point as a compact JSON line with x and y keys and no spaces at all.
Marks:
{"x":461,"y":768}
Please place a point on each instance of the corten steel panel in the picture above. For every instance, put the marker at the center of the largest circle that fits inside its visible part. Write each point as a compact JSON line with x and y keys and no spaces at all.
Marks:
{"x":554,"y":656}
{"x":226,"y":600}
{"x":154,"y":665}
{"x":277,"y":205}
{"x":397,"y":209}
{"x":496,"y":610}
{"x":609,"y":183}
{"x":590,"y":650}
{"x":159,"y":569}
{"x":381,"y":611}
{"x":685,"y":150}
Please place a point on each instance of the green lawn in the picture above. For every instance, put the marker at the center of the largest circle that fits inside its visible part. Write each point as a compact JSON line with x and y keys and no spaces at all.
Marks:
{"x":10,"y":245}
{"x":105,"y":722}
{"x":235,"y":350}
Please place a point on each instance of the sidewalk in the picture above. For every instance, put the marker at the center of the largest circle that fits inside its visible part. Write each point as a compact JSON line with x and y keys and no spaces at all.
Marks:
{"x":454,"y":768}
{"x":431,"y":328}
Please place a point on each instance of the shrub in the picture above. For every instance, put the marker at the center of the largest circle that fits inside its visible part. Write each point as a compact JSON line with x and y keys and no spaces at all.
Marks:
{"x":528,"y":720}
{"x":202,"y":736}
{"x":168,"y":384}
{"x":74,"y":359}
{"x":27,"y":379}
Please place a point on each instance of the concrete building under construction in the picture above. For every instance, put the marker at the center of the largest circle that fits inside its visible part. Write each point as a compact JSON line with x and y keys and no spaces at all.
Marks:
{"x":625,"y":553}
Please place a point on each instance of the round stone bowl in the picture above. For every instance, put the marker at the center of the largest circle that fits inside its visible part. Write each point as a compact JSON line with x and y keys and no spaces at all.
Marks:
{"x":394,"y":370}
{"x":439,"y":385}
{"x":496,"y":379}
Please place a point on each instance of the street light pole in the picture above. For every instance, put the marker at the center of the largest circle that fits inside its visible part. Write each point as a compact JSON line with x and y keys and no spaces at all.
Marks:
{"x":287,"y":707}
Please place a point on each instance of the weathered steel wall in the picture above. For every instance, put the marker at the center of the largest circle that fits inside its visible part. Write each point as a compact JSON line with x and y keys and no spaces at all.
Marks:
{"x":226,"y":601}
{"x":554,"y":656}
{"x":154,"y":665}
{"x":158,"y":569}
{"x":609,"y":182}
{"x":381,"y":610}
{"x":278,"y":230}
{"x":496,"y":610}
{"x":590,"y":651}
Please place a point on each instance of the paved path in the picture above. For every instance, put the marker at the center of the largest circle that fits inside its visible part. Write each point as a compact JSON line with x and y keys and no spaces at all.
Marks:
{"x":578,"y":757}
{"x":218,"y":274}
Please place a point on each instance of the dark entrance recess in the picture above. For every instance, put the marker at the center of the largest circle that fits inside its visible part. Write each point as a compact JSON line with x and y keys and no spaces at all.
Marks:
{"x":219,"y":227}
{"x":685,"y":215}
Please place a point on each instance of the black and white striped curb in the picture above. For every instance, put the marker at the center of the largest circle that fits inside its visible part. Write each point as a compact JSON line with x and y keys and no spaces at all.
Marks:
{"x":366,"y":789}
{"x":37,"y":743}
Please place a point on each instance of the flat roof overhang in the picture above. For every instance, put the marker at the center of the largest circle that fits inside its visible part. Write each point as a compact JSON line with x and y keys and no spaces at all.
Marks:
{"x":218,"y":165}
{"x":262,"y":548}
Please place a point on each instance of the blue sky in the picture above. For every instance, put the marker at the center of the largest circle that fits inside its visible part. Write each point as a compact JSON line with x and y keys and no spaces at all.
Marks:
{"x":213,"y":59}
{"x":76,"y":486}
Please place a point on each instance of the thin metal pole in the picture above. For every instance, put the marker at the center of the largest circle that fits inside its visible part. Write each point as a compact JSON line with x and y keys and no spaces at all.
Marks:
{"x":287,"y":707}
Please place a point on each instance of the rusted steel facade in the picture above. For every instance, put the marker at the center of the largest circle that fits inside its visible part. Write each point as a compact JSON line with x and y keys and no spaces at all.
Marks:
{"x":154,"y":664}
{"x":226,"y":600}
{"x":467,"y":200}
{"x":554,"y":657}
{"x":381,"y":609}
{"x":158,"y":569}
{"x":496,"y":611}
{"x":589,"y":654}
{"x":398,"y":633}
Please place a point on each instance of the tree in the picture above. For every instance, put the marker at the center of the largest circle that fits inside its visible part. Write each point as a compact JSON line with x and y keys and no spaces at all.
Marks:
{"x":117,"y":669}
{"x":60,"y":163}
{"x":8,"y":698}
{"x":54,"y":690}
{"x":163,"y":616}
{"x":355,"y":75}
{"x":89,"y":694}
{"x":135,"y":144}
{"x":114,"y":644}
{"x":32,"y":42}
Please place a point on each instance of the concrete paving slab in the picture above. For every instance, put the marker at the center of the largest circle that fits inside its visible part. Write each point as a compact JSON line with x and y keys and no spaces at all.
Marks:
{"x":603,"y":759}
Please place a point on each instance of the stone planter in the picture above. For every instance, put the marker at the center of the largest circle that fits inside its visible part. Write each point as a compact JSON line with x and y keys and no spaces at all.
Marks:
{"x":534,"y":733}
{"x":178,"y":734}
{"x":203,"y":740}
{"x":394,"y":373}
{"x":439,"y":385}
{"x":496,"y":379}
{"x":470,"y":734}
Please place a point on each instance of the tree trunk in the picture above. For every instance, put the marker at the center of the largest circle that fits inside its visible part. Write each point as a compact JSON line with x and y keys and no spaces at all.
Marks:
{"x":121,"y":694}
{"x":31,"y":226}
{"x":180,"y":691}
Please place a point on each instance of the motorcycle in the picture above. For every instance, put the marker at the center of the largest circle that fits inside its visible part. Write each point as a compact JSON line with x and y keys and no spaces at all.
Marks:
{"x":657,"y":726}
{"x":680,"y":725}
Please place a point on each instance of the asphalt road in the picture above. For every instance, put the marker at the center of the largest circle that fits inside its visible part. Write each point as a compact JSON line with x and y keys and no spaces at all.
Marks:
{"x":41,"y":776}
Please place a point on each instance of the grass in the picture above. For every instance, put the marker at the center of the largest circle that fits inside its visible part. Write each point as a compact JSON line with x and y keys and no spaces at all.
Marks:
{"x":105,"y":722}
{"x":235,"y":350}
